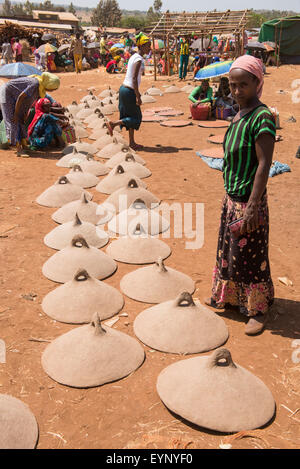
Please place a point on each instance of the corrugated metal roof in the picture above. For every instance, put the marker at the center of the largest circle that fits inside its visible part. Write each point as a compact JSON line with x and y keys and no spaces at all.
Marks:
{"x":62,"y":15}
{"x":32,"y":24}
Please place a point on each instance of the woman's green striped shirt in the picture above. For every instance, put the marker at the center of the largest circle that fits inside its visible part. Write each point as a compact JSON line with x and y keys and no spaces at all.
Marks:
{"x":240,"y":160}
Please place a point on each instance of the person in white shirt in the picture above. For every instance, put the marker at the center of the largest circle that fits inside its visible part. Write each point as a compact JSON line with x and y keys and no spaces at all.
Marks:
{"x":129,"y":95}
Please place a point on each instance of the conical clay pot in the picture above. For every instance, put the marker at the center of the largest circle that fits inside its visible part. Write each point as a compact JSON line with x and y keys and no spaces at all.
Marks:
{"x":120,"y":157}
{"x":18,"y":426}
{"x":151,"y":221}
{"x":69,"y":160}
{"x":87,"y":211}
{"x":106,"y":140}
{"x":138,"y":170}
{"x":116,"y":179}
{"x":154,"y":91}
{"x":64,"y":264}
{"x":180,"y":326}
{"x":147,"y":99}
{"x":155,"y":283}
{"x":138,"y":248}
{"x":92,"y":355}
{"x":61,"y":236}
{"x":81,"y":147}
{"x":90,"y":165}
{"x":112,"y":148}
{"x":85,"y":180}
{"x":173,"y":89}
{"x":123,"y":198}
{"x":76,"y":301}
{"x":61,"y":193}
{"x":216,"y":393}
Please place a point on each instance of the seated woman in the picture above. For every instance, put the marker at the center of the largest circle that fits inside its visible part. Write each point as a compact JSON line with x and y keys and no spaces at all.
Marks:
{"x":201,"y":94}
{"x":45,"y":127}
{"x":112,"y":65}
{"x":223,"y":97}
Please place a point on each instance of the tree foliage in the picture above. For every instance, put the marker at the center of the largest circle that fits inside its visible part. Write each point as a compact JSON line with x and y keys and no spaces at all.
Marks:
{"x":7,"y":8}
{"x":130,"y":22}
{"x":72,"y":9}
{"x":107,"y":13}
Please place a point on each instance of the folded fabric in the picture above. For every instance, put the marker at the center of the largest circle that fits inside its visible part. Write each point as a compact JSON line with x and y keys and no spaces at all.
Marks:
{"x":217,"y":163}
{"x":214,"y":163}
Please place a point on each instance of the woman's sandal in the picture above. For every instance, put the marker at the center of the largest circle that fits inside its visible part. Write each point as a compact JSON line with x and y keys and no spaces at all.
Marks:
{"x":210,"y":302}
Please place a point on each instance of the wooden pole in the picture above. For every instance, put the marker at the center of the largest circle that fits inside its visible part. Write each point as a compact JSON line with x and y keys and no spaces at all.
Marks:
{"x":279,"y":44}
{"x":154,"y":57}
{"x":177,"y":55}
{"x":242,"y":42}
{"x":168,"y":54}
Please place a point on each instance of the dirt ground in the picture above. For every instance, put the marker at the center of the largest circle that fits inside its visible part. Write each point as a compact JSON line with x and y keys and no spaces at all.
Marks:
{"x":129,"y":413}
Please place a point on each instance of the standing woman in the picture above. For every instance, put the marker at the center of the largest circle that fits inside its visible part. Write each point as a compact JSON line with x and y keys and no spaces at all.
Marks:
{"x":7,"y":52}
{"x":18,"y":50}
{"x":16,"y":98}
{"x":129,"y":95}
{"x":242,"y":276}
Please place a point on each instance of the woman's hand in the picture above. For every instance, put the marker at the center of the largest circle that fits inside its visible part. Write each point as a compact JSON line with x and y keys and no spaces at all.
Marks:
{"x":250,"y":218}
{"x":139,"y":100}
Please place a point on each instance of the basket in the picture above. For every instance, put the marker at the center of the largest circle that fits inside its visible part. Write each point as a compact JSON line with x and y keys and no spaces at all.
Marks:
{"x":68,"y":134}
{"x":200,"y":112}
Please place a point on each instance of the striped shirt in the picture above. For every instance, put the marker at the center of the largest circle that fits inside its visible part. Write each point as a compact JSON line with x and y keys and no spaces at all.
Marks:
{"x":184,"y":48}
{"x":240,"y":159}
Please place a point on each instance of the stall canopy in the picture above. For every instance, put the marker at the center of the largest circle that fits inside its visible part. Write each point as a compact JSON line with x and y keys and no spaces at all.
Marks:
{"x":285,"y":32}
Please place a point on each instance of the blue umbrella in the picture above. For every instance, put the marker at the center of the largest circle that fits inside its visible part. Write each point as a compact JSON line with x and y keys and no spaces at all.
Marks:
{"x":118,"y":46}
{"x":18,"y":69}
{"x":216,"y":69}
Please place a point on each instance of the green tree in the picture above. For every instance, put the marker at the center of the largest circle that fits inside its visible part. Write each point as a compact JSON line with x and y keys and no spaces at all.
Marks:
{"x":137,"y":22}
{"x":7,"y":8}
{"x":157,"y":5}
{"x":72,"y":9}
{"x":28,"y":7}
{"x":107,"y":13}
{"x":255,"y":20}
{"x":18,"y":10}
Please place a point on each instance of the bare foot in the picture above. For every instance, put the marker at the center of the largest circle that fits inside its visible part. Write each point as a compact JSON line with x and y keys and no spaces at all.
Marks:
{"x":136,"y":147}
{"x":110,"y":128}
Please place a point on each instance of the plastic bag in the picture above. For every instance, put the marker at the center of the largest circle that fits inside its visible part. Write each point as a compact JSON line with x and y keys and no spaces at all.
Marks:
{"x":3,"y":138}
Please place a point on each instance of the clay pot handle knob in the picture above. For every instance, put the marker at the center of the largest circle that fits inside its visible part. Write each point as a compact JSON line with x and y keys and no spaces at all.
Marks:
{"x":139,"y":230}
{"x":79,"y":242}
{"x":125,"y":149}
{"x":81,"y":276}
{"x":222,"y":357}
{"x":89,"y":157}
{"x":96,"y":323}
{"x":76,"y":168}
{"x":132,"y":184}
{"x":83,"y":198}
{"x":115,"y":140}
{"x":184,"y":299}
{"x":63,"y":180}
{"x":161,"y":265}
{"x":120,"y":170}
{"x":139,"y":204}
{"x":77,"y":220}
{"x":129,"y":157}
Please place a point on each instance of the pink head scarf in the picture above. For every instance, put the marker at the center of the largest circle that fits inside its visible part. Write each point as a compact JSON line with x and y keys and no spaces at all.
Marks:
{"x":252,"y":65}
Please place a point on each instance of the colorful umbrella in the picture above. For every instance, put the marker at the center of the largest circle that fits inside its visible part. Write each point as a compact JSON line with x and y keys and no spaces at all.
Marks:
{"x":48,"y":37}
{"x":216,"y":69}
{"x":18,"y":69}
{"x":118,"y":46}
{"x":159,"y":44}
{"x":46,"y":49}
